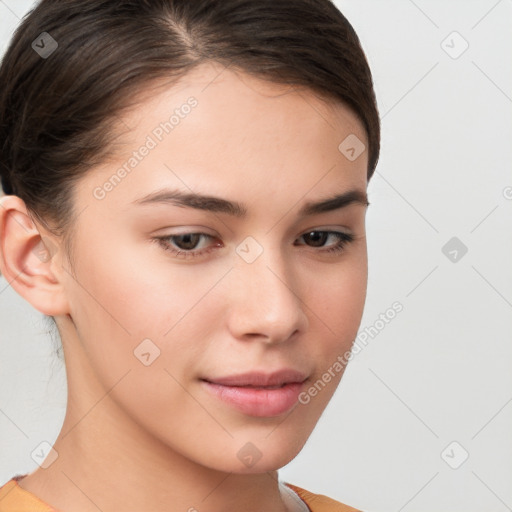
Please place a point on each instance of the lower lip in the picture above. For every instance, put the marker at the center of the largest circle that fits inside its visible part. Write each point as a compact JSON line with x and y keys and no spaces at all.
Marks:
{"x":261,"y":402}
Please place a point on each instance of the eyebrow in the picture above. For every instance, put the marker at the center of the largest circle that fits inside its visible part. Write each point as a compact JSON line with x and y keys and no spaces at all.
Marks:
{"x":233,"y":208}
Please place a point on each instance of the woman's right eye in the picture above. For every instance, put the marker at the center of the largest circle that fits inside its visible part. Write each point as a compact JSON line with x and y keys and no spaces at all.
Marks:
{"x":184,"y":245}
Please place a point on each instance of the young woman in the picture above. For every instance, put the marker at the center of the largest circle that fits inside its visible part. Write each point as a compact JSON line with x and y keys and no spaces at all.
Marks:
{"x":185,"y":190}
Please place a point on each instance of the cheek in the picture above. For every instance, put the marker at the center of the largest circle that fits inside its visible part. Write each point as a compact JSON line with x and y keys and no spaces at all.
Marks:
{"x":338,"y":308}
{"x":151,"y":321}
{"x":130,"y":282}
{"x":123,"y":297}
{"x":337,"y":304}
{"x":337,"y":299}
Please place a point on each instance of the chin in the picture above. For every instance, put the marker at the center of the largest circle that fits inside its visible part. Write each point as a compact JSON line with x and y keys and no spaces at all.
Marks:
{"x":260,"y":450}
{"x":264,"y":461}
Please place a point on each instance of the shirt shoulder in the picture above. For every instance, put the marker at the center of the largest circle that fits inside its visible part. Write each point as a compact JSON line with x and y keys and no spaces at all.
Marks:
{"x":13,"y":498}
{"x":319,"y":502}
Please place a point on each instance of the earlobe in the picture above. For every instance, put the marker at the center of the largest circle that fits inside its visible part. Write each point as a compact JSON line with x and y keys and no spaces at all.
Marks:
{"x":27,"y":259}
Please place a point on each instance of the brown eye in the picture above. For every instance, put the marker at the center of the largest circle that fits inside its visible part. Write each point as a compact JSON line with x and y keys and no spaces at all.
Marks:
{"x":188,"y":241}
{"x":185,"y":245}
{"x":318,"y":238}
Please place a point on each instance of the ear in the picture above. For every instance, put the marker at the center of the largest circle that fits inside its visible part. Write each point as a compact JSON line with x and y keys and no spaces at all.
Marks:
{"x":27,"y":259}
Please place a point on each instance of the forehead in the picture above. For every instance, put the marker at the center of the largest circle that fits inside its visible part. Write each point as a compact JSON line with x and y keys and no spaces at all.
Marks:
{"x":236,"y":99}
{"x":226,"y":130}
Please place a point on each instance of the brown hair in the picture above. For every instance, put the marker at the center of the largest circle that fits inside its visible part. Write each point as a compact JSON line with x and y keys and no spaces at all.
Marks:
{"x":57,"y":109}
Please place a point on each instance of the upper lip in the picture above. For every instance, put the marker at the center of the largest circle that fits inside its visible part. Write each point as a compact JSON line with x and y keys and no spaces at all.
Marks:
{"x":261,"y":379}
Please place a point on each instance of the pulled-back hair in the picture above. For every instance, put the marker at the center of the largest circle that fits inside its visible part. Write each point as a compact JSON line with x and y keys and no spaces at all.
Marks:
{"x":72,"y":66}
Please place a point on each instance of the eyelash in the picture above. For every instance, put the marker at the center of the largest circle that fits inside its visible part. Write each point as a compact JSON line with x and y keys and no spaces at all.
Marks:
{"x":343,"y":240}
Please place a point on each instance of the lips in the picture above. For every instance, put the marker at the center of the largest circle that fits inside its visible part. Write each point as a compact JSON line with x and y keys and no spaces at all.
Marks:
{"x":257,"y":393}
{"x":260,"y":379}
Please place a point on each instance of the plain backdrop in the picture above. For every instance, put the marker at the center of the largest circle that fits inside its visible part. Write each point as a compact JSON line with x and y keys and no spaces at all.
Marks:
{"x":423,"y":415}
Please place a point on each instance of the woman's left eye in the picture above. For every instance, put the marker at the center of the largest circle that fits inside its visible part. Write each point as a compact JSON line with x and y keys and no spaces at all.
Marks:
{"x":320,"y":237}
{"x":186,"y":245}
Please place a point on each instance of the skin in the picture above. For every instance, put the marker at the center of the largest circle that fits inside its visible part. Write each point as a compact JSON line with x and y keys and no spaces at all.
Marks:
{"x":150,"y":437}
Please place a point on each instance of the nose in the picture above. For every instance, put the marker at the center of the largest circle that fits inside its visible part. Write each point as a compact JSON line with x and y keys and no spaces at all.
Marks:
{"x":265,"y":302}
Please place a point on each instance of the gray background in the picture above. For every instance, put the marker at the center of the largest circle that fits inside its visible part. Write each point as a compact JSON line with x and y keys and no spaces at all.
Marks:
{"x":439,"y":372}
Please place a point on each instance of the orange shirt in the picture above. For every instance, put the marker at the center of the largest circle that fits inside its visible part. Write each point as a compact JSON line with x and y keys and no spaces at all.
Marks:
{"x":14,"y":498}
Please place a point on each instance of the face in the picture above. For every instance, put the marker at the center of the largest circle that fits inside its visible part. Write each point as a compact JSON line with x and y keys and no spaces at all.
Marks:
{"x":216,"y":319}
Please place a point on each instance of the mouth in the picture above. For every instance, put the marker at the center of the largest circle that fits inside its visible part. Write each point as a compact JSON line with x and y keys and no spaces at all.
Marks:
{"x":258,"y":394}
